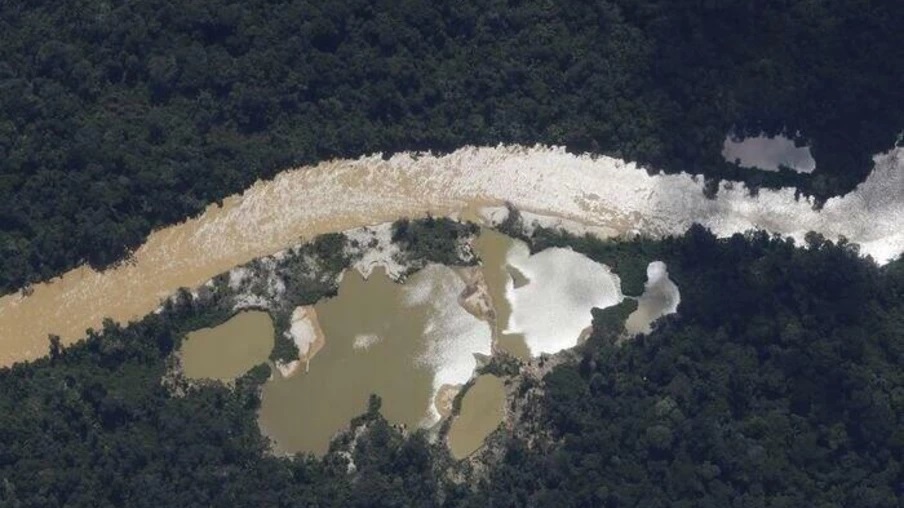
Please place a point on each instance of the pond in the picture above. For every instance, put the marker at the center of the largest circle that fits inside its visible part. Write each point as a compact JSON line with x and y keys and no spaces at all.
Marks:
{"x":403,"y":342}
{"x":551,"y":308}
{"x":660,"y":297}
{"x":226,"y":351}
{"x":768,"y":153}
{"x":482,"y":409}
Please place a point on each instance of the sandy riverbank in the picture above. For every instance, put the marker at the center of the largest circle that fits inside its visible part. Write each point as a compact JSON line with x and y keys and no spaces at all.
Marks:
{"x":340,"y":195}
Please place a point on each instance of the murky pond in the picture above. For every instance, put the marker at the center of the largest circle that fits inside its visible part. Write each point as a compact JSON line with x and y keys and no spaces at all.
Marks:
{"x":768,"y":154}
{"x":660,"y":297}
{"x":481,"y":412}
{"x":400,"y":341}
{"x":226,"y":351}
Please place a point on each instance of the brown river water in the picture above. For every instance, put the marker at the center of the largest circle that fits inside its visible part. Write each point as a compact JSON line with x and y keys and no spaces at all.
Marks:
{"x":344,"y":194}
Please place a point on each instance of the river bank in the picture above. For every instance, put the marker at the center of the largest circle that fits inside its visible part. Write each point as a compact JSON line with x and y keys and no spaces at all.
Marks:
{"x":340,"y":195}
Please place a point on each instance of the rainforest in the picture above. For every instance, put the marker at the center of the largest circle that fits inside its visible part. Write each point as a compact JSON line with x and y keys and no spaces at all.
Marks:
{"x":479,"y":253}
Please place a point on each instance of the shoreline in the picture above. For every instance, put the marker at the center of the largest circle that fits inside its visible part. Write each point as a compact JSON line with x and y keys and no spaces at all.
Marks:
{"x":303,"y":203}
{"x":309,"y":338}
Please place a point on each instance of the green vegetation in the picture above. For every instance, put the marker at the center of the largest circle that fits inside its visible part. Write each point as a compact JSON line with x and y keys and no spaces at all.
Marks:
{"x":502,"y":365}
{"x":433,"y":240}
{"x":119,"y":117}
{"x":609,"y":323}
{"x":306,"y":284}
{"x":93,"y":426}
{"x":284,"y":348}
{"x":778,"y":383}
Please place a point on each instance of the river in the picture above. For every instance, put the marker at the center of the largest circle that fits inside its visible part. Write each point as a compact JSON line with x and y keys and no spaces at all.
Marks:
{"x":343,"y":194}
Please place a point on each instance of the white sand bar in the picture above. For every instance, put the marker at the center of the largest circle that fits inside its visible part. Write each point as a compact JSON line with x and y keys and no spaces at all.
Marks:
{"x":452,"y":335}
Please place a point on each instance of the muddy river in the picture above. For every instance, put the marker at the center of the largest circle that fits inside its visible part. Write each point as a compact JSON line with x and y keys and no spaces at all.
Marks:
{"x":339,"y":195}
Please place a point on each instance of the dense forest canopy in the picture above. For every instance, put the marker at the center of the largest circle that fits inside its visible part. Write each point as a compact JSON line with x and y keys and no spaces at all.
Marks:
{"x":778,"y":383}
{"x":117,"y":117}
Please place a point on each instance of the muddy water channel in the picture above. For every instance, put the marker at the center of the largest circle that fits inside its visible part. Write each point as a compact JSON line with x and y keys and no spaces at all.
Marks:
{"x":400,"y":341}
{"x":492,"y":248}
{"x":226,"y":351}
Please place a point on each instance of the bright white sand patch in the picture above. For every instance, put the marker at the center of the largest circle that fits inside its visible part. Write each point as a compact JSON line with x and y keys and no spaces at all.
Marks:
{"x":248,"y":301}
{"x":303,"y":330}
{"x":365,"y":340}
{"x":768,"y":154}
{"x":374,"y":248}
{"x":554,"y":307}
{"x":452,"y":334}
{"x":660,"y":297}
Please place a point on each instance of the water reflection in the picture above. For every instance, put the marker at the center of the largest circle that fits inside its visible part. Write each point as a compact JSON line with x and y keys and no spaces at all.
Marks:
{"x":768,"y":154}
{"x":402,"y":342}
{"x":660,"y":297}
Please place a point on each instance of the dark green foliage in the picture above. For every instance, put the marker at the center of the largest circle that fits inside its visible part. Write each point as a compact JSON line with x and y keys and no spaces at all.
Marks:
{"x":95,"y":427}
{"x":306,"y":284}
{"x":501,"y":365}
{"x":609,"y":323}
{"x":432,"y":240}
{"x":284,"y":348}
{"x":778,"y":384}
{"x":394,"y":471}
{"x":627,"y":258}
{"x":120,"y":117}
